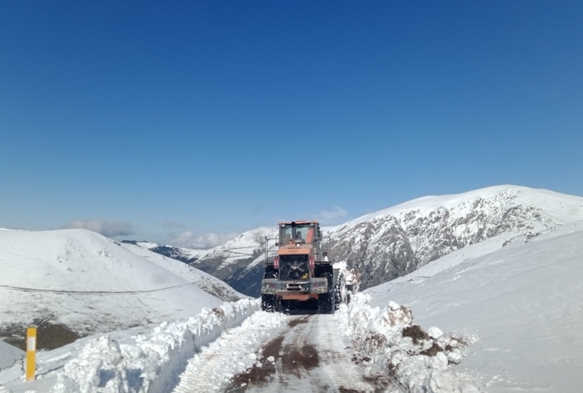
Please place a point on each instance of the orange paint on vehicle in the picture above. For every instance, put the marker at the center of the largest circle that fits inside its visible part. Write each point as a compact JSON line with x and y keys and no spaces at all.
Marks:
{"x":310,"y":237}
{"x":295,"y":296}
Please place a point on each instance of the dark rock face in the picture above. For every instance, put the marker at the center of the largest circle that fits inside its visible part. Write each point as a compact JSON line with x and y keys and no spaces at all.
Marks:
{"x":173,"y":252}
{"x":167,"y":251}
{"x":379,"y":249}
{"x":247,"y":279}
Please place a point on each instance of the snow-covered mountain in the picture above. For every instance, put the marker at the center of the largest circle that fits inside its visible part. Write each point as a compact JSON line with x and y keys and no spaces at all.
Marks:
{"x":393,"y":242}
{"x":399,"y":240}
{"x":91,"y":284}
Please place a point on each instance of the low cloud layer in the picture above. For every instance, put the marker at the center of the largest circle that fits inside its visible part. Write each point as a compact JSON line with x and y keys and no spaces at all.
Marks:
{"x":332,"y":216}
{"x":173,"y":225}
{"x":104,"y":227}
{"x":208,"y":240}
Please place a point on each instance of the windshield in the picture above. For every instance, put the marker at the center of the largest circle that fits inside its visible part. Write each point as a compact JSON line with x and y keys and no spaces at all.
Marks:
{"x":294,"y":267}
{"x":299,"y":233}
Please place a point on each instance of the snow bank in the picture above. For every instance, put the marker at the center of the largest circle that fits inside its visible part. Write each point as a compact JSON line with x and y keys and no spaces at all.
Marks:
{"x":152,"y":361}
{"x":417,"y":360}
{"x":9,"y":355}
{"x":234,"y":353}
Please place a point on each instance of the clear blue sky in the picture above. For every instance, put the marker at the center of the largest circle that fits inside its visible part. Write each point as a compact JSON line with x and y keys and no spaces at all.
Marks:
{"x":195,"y":117}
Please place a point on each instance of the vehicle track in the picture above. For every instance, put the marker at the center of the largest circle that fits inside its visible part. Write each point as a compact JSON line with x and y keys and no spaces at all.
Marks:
{"x":309,"y":357}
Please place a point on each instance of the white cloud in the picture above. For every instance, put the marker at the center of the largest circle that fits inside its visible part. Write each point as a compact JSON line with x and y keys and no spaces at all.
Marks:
{"x":207,"y":240}
{"x":106,"y":228}
{"x":173,"y":225}
{"x":332,"y":216}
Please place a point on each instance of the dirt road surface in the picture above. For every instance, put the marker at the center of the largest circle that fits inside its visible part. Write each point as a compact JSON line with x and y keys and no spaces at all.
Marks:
{"x":308,"y":356}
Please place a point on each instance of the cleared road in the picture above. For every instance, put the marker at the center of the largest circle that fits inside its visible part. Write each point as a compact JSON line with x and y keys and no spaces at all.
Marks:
{"x":308,"y":356}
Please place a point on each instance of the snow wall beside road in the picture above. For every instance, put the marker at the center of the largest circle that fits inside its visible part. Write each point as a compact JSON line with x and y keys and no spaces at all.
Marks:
{"x":153,"y":360}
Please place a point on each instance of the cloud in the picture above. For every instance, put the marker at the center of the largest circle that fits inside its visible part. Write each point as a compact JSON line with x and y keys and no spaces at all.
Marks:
{"x":106,"y":228}
{"x":333,"y":215}
{"x":171,"y":224}
{"x":207,"y":240}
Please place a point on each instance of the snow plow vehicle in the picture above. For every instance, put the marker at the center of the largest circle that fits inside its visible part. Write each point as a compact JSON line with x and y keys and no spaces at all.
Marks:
{"x":301,"y":276}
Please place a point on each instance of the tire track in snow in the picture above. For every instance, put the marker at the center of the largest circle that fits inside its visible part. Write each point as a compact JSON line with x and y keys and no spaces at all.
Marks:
{"x":310,"y":357}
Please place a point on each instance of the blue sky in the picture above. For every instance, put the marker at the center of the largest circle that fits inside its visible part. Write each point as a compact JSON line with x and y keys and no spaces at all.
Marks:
{"x":151,"y":120}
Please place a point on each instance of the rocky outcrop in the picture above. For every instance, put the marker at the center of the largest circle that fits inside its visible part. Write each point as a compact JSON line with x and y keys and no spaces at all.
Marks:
{"x":389,"y":246}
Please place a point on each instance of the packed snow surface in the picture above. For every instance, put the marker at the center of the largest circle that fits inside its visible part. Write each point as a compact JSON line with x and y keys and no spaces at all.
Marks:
{"x":522,"y":301}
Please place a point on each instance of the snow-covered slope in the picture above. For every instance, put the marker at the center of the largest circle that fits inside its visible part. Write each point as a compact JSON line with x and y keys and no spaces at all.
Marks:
{"x":185,"y":255}
{"x":91,"y":283}
{"x":393,"y":242}
{"x":247,"y":245}
{"x":522,"y":301}
{"x":203,"y":280}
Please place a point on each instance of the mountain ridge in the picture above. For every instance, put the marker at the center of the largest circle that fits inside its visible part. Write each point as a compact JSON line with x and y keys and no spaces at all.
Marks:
{"x":392,"y":242}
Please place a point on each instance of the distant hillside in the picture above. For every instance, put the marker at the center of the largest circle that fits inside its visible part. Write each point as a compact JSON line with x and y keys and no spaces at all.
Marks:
{"x":92,"y":284}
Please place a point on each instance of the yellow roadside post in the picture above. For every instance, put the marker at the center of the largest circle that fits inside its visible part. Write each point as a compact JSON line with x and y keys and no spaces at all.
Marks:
{"x":30,"y":353}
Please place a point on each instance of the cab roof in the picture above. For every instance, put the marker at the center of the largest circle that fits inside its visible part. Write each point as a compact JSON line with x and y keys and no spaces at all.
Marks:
{"x":300,"y":222}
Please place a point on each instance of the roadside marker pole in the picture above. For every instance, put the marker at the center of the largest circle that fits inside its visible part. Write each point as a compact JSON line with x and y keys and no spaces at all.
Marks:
{"x":30,"y":353}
